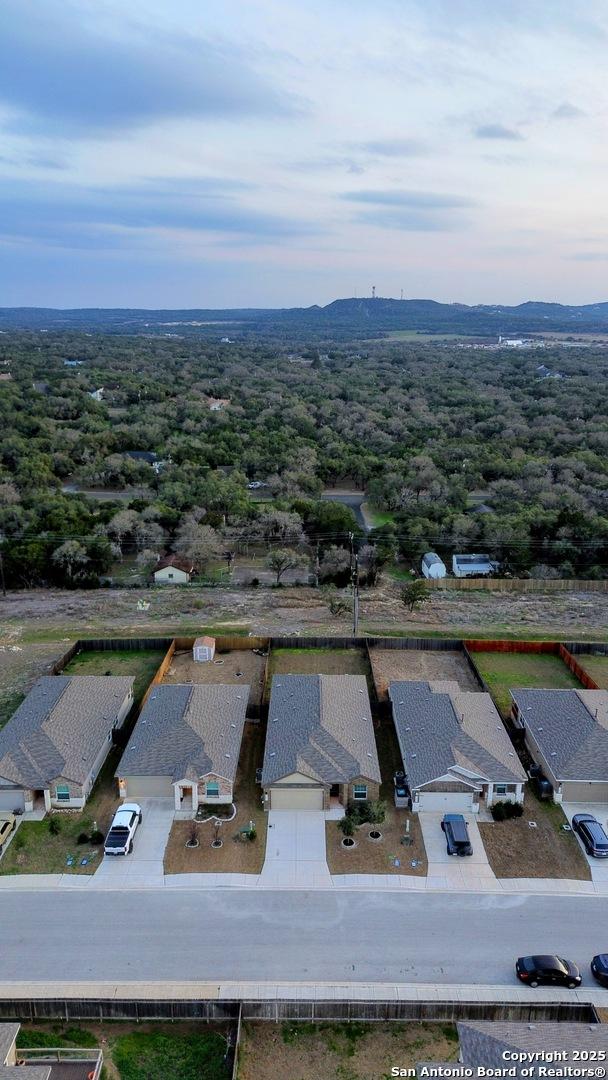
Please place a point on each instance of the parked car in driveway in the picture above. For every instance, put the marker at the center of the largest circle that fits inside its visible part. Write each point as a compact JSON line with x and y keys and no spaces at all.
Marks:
{"x":457,"y":836}
{"x":592,"y":834}
{"x":547,"y":971}
{"x":599,"y":968}
{"x":119,"y":840}
{"x":8,"y":822}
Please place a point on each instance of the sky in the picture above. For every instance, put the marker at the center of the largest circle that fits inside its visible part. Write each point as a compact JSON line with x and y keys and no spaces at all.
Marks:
{"x":274,"y":153}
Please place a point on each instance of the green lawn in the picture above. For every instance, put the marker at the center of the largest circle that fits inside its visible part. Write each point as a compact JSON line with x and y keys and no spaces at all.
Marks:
{"x":596,"y":667}
{"x":142,"y":663}
{"x":377,"y":518}
{"x":399,"y":573}
{"x":157,"y":1056}
{"x":505,"y":671}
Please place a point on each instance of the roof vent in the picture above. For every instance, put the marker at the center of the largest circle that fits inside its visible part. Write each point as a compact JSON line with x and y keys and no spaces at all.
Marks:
{"x":275,"y":719}
{"x":413,"y":755}
{"x":272,"y":753}
{"x":369,"y":753}
{"x":226,"y":755}
{"x":361,"y":691}
{"x":233,"y":725}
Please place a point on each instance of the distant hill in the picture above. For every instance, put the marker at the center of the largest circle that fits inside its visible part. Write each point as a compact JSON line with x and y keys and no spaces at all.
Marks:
{"x":342,"y":318}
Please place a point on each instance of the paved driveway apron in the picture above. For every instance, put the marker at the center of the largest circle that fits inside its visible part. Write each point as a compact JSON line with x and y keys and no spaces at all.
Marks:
{"x":295,"y":849}
{"x":144,"y":866}
{"x":599,"y":867}
{"x":453,"y":871}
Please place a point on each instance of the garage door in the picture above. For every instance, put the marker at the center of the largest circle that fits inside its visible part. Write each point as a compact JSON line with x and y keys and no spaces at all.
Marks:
{"x":450,"y":802}
{"x":581,"y":792}
{"x":13,"y":799}
{"x":289,"y":798}
{"x":150,"y":787}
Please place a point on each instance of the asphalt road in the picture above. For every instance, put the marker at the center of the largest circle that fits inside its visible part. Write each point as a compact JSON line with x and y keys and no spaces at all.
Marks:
{"x":179,"y":934}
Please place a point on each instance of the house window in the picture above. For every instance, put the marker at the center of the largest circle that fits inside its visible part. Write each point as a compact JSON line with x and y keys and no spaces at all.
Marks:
{"x":500,"y":789}
{"x":213,"y":790}
{"x":360,"y":791}
{"x":170,"y":575}
{"x":62,"y":793}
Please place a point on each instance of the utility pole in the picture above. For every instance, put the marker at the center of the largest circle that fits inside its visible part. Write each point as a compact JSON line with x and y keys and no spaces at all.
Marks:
{"x":354,"y":577}
{"x":2,"y":581}
{"x":316,"y":570}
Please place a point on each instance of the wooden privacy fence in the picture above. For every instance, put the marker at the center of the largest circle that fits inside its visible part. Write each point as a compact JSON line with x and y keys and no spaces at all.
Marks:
{"x":519,"y":584}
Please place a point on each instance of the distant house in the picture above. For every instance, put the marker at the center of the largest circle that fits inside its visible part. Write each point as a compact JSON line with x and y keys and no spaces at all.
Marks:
{"x":173,"y":570}
{"x":497,"y":1044}
{"x":320,"y":743}
{"x":473,"y":565}
{"x":7,"y":377}
{"x":566,"y":733}
{"x":97,"y":395}
{"x":185,"y":745}
{"x":217,"y":404}
{"x":54,"y":745}
{"x":455,"y":750}
{"x":433,"y":566}
{"x":203,"y":649}
{"x":73,"y":363}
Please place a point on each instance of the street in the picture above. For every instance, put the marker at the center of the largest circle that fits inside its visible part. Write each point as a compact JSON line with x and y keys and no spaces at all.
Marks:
{"x":289,"y":936}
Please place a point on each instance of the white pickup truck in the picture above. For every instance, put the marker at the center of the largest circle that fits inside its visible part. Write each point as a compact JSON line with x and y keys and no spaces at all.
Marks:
{"x":119,"y":840}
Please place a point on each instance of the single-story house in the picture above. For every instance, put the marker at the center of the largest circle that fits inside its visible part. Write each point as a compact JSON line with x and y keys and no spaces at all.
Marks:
{"x":203,"y":649}
{"x":473,"y":565}
{"x":56,"y":742}
{"x":566,"y":732}
{"x":40,"y":1063}
{"x":320,"y":743}
{"x":455,"y":750}
{"x":173,"y":570}
{"x":185,"y":745}
{"x":496,"y":1044}
{"x":433,"y":566}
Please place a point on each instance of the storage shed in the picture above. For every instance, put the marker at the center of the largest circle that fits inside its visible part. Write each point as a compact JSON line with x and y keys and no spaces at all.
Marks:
{"x":203,"y":649}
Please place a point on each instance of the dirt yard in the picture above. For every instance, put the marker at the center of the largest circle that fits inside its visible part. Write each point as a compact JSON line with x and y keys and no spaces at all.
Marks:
{"x":354,"y":1051}
{"x":237,"y":666}
{"x":53,"y":614}
{"x":516,"y":850}
{"x":235,"y":856}
{"x":20,"y":666}
{"x":386,"y":856}
{"x":391,"y":665}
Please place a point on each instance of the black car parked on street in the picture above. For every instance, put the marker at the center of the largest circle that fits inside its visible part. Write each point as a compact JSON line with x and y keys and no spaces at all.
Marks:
{"x":547,"y":971}
{"x":599,"y":968}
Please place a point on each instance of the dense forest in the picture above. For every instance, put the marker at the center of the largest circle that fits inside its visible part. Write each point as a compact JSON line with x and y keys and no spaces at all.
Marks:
{"x":456,"y":449}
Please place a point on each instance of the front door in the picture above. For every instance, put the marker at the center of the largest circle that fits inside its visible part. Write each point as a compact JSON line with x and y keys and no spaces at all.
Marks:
{"x":334,"y":791}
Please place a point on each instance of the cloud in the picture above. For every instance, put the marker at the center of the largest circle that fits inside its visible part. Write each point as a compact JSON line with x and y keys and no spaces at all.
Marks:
{"x":589,"y":256}
{"x":497,"y":131}
{"x":410,"y":211}
{"x":83,"y":217}
{"x":567,"y":111}
{"x":60,"y":72}
{"x":393,"y":148}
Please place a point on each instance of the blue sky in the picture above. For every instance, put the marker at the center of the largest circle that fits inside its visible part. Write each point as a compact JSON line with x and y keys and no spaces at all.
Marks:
{"x":274,"y":153}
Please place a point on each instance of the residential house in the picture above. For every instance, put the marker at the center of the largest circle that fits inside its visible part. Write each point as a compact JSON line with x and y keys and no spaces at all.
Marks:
{"x":455,"y":750}
{"x":203,"y":649}
{"x":97,"y":395}
{"x":185,"y":745}
{"x":54,"y":745}
{"x":320,"y":743}
{"x":173,"y":570}
{"x":40,"y":1063}
{"x":494,"y":1044}
{"x":473,"y":565}
{"x":566,"y":732}
{"x":433,"y":566}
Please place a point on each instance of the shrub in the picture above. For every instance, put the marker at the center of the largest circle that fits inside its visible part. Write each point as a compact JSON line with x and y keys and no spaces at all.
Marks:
{"x":252,"y":834}
{"x":359,"y":811}
{"x":97,"y":837}
{"x":498,"y":811}
{"x":377,"y":812}
{"x":54,"y":826}
{"x":254,"y":583}
{"x":504,"y":810}
{"x":347,"y":825}
{"x":82,"y":838}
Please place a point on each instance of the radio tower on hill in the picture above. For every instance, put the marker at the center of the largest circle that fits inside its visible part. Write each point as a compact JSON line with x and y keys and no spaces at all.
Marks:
{"x":373,"y":292}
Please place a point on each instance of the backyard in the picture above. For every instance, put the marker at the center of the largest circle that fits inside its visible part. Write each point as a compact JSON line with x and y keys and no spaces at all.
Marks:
{"x":423,"y":665}
{"x":514,"y":849}
{"x":503,"y":671}
{"x":353,"y":1051}
{"x":235,"y":856}
{"x":20,"y":665}
{"x":142,"y":663}
{"x":596,"y":666}
{"x":316,"y":661}
{"x":233,"y":666}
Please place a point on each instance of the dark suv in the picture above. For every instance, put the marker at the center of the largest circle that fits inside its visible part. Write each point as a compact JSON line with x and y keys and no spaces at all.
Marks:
{"x":457,"y":835}
{"x":592,"y":835}
{"x":548,"y":970}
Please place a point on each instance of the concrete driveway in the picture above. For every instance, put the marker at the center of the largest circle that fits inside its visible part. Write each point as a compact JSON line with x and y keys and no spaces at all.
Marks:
{"x":446,"y":871}
{"x":295,"y":849}
{"x":144,"y":866}
{"x":599,"y":867}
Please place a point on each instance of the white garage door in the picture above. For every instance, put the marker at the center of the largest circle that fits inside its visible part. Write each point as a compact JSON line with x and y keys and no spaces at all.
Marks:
{"x":450,"y":802}
{"x":12,"y":800}
{"x":289,"y":798}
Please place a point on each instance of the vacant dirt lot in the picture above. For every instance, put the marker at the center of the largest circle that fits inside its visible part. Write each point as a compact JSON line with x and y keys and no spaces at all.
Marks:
{"x":55,"y":614}
{"x":354,"y":1051}
{"x":516,"y":850}
{"x":391,"y":665}
{"x":237,"y":666}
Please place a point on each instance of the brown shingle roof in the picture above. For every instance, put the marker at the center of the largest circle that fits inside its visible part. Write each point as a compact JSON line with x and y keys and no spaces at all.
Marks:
{"x":180,"y":562}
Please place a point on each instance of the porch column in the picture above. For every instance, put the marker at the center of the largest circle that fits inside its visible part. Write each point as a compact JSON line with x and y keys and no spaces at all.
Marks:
{"x":195,"y":797}
{"x":176,"y":795}
{"x":47,"y":799}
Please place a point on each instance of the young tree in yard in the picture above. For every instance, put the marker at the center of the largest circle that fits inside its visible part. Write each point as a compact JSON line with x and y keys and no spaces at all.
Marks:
{"x":414,"y":594}
{"x":335,"y":562}
{"x":282,"y":560}
{"x":337,"y":603}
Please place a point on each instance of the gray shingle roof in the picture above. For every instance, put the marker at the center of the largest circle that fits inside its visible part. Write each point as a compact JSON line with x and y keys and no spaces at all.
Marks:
{"x":8,"y":1034}
{"x":483,"y":1042}
{"x":441,"y":727}
{"x":563,"y":723}
{"x":321,"y":726}
{"x":60,"y":728}
{"x":32,"y":1072}
{"x":187,"y":731}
